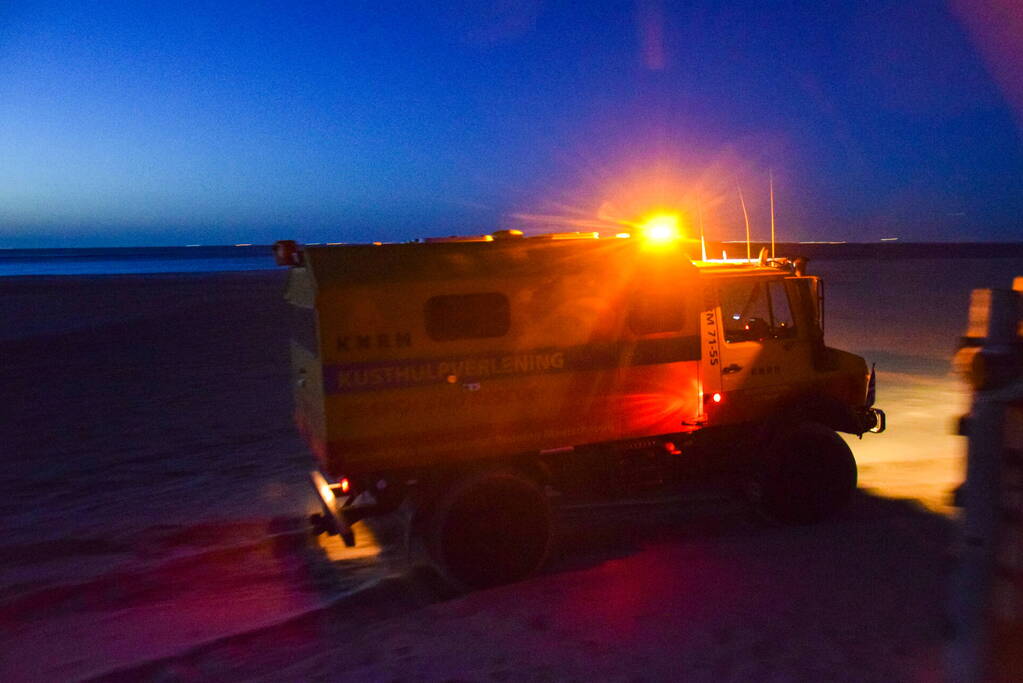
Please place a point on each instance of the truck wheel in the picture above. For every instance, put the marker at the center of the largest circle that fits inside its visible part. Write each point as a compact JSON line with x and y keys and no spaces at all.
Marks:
{"x":489,"y":528}
{"x":809,"y":474}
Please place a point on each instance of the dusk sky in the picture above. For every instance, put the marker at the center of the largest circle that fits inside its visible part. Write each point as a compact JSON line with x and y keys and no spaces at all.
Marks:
{"x":135,"y":123}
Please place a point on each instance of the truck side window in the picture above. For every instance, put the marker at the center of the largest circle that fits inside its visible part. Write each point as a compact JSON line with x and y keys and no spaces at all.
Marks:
{"x":782,"y":325}
{"x":467,"y":316}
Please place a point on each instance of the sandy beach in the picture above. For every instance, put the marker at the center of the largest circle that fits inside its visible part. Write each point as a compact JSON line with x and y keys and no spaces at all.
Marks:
{"x":154,"y":503}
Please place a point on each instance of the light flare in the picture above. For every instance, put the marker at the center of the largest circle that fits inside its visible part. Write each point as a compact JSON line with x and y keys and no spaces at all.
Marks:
{"x":662,"y":227}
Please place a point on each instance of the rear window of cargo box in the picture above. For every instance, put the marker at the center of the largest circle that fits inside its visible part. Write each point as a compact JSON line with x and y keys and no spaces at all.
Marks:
{"x":467,"y":316}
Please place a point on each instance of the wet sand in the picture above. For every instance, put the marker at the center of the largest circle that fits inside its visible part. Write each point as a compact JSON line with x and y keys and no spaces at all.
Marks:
{"x":150,"y":472}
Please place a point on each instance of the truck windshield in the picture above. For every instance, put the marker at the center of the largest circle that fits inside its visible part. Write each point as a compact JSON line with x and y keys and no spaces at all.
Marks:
{"x":754,"y":310}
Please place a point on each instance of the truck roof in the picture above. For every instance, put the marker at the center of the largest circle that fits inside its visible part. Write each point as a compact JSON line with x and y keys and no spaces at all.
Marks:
{"x":734,"y":267}
{"x":508,"y":252}
{"x":465,"y":258}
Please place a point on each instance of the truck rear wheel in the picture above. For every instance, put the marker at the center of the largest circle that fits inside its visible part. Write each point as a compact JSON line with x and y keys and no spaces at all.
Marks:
{"x":489,"y":528}
{"x":809,"y":474}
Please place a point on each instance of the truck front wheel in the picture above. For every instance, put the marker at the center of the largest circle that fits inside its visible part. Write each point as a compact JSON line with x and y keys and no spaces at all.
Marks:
{"x":489,"y":528}
{"x":808,"y":475}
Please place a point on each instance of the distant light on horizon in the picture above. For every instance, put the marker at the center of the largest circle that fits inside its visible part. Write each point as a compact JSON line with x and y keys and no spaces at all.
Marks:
{"x":889,"y":239}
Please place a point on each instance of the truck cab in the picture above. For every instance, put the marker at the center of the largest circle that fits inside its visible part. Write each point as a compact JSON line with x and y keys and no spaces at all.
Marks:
{"x":764,"y":350}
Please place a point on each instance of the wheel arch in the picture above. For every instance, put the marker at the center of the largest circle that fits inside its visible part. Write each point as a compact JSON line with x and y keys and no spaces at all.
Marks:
{"x":435,"y":481}
{"x":820,"y":408}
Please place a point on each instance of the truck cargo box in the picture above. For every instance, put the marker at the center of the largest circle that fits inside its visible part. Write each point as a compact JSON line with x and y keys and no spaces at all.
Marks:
{"x":421,"y":353}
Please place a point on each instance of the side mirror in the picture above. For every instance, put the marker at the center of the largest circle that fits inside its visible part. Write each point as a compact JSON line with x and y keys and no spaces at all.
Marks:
{"x":799,"y":266}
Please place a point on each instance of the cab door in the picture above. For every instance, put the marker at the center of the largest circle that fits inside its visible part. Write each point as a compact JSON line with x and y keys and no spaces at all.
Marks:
{"x":765,"y":354}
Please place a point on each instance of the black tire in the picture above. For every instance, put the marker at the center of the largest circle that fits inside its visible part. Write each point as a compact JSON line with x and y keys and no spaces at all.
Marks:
{"x":808,"y":474}
{"x":489,"y":528}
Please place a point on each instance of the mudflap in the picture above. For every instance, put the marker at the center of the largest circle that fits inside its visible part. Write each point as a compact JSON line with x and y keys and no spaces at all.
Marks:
{"x":332,"y":520}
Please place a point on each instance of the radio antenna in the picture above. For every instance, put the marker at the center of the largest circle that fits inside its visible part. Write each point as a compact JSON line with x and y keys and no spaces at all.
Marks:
{"x":771,"y":178}
{"x":745,"y":214}
{"x":699,"y":215}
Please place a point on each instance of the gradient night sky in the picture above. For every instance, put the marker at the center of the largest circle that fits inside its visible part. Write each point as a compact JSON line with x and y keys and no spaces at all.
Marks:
{"x":134,"y":123}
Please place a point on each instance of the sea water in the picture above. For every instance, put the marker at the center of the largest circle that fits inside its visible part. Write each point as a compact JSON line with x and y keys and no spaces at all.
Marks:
{"x":120,"y":260}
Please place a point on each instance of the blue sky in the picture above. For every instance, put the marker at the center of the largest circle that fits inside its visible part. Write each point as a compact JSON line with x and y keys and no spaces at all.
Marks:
{"x":127,"y":123}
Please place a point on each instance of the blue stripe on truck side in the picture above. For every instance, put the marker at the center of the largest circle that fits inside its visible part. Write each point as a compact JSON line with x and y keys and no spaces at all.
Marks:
{"x":415,"y":372}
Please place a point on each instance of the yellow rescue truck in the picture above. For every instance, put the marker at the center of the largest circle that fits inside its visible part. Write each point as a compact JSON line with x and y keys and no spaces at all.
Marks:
{"x":471,"y":380}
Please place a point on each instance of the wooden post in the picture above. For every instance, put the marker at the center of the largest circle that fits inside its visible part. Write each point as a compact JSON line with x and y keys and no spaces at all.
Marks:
{"x":1005,"y":657}
{"x":986,"y":603}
